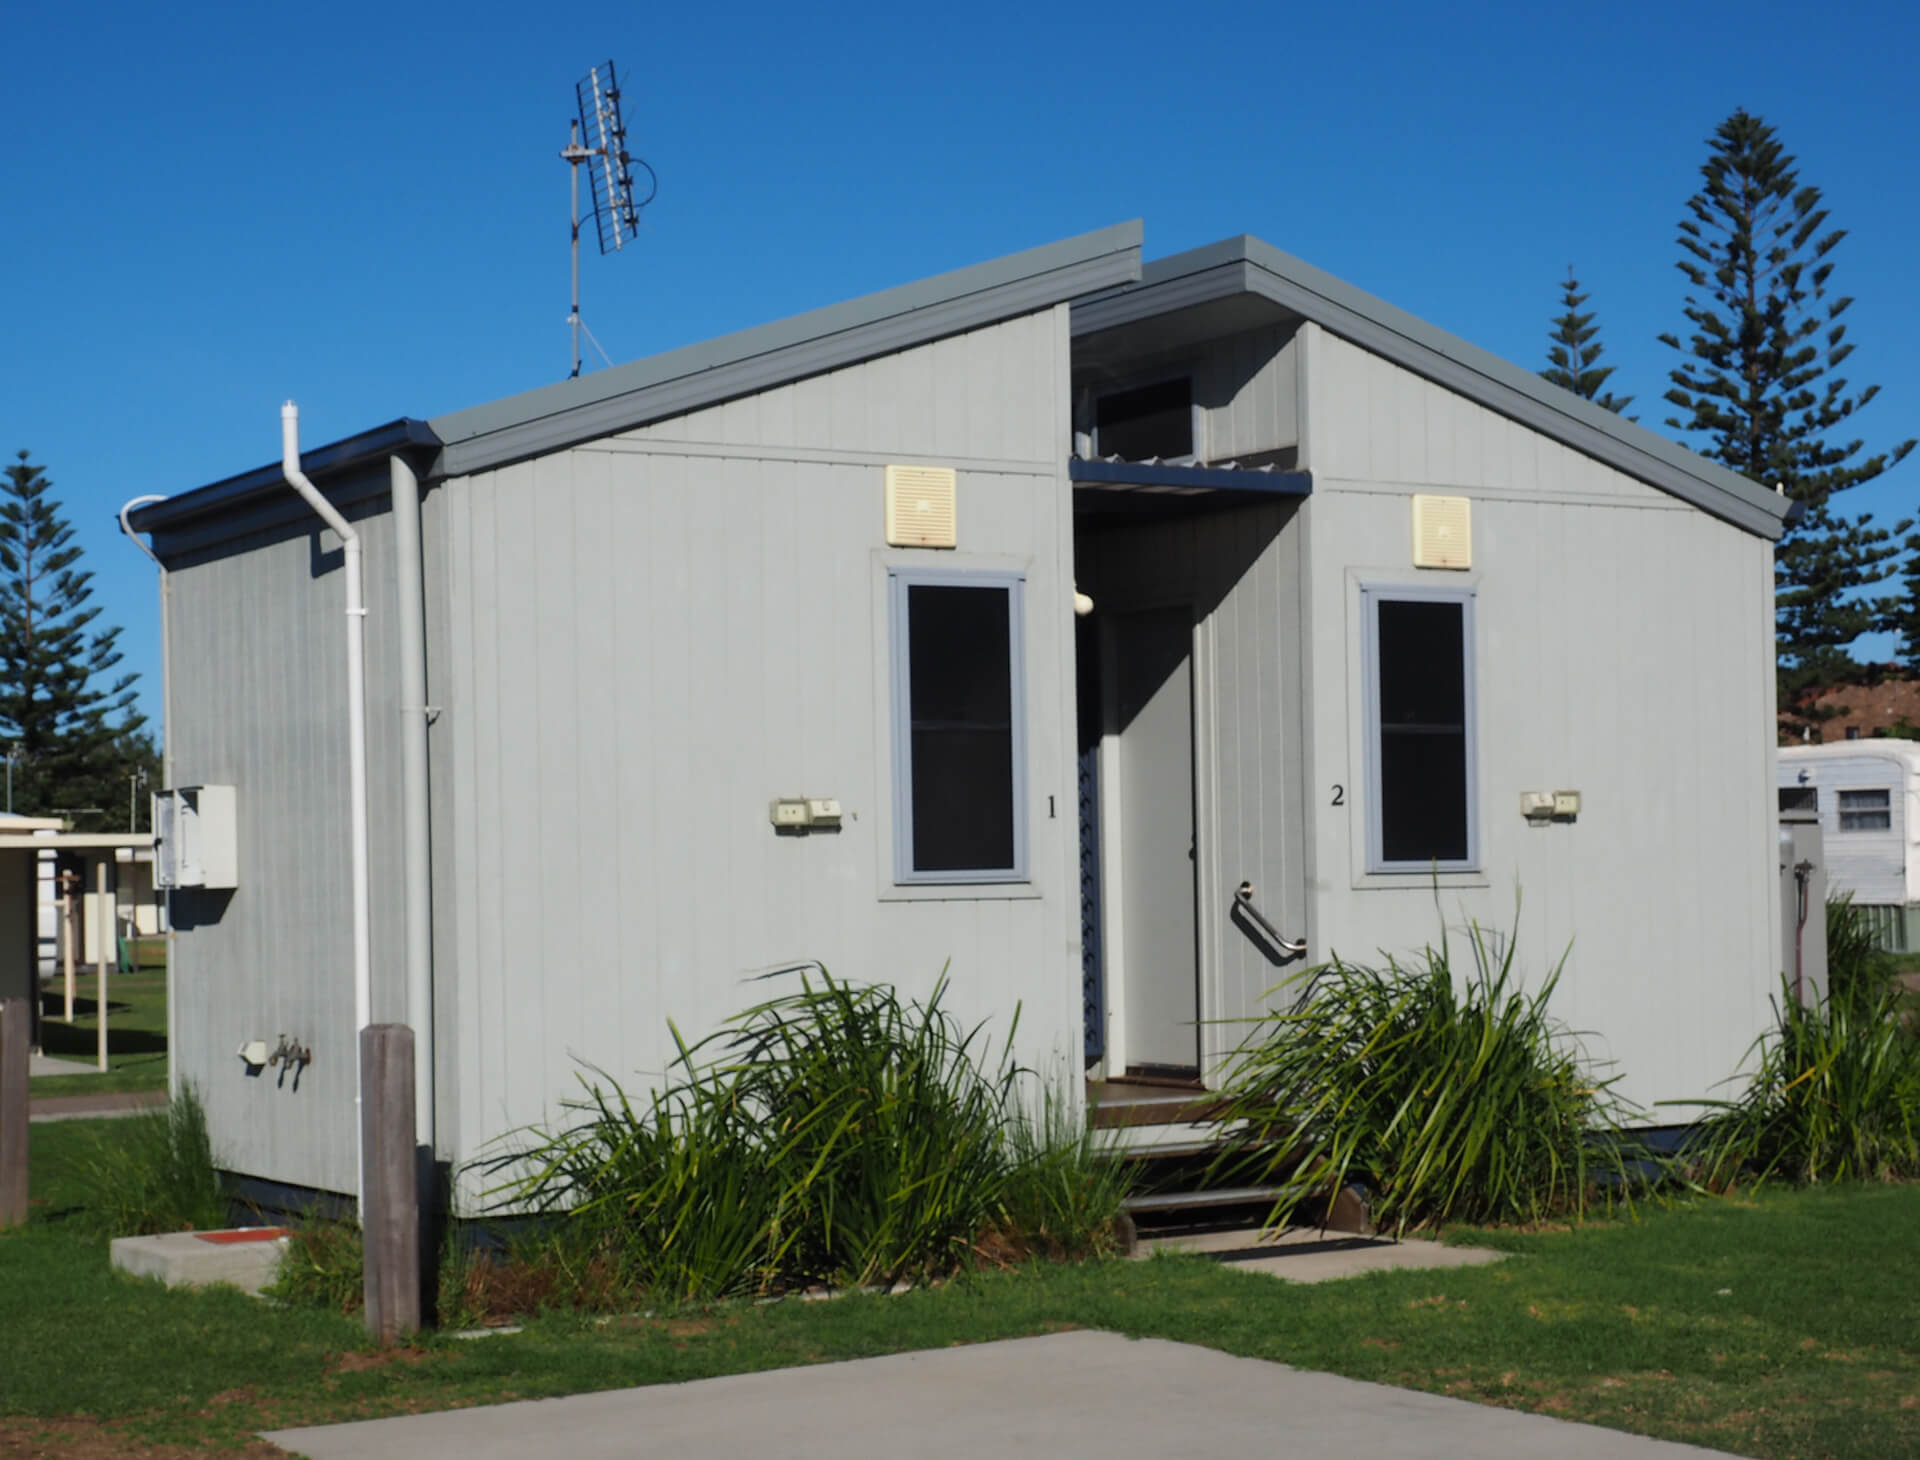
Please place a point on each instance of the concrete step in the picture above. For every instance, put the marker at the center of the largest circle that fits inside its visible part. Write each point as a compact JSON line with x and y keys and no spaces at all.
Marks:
{"x":246,"y":1258}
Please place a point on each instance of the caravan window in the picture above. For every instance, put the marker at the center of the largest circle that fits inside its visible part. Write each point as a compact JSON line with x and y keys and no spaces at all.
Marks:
{"x":1866,"y":810}
{"x":959,"y":741}
{"x":1421,"y":774}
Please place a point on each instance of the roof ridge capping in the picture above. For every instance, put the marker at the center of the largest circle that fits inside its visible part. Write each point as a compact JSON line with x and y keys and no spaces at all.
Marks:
{"x":1405,"y":338}
{"x":713,"y":370}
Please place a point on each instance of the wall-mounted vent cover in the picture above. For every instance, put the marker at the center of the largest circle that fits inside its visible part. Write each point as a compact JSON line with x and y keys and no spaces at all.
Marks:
{"x":920,"y":506}
{"x":1442,"y":532}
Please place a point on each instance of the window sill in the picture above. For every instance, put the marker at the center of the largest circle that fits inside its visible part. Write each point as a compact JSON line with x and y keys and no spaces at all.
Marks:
{"x":1419,"y":879}
{"x":958,"y":892}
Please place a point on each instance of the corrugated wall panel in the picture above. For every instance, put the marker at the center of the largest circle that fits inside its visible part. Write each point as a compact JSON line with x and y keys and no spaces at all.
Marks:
{"x":657,"y":634}
{"x":1624,"y":645}
{"x":259,"y":662}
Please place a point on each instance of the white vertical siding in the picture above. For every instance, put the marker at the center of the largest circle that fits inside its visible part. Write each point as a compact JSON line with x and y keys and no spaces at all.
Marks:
{"x":1624,"y":650}
{"x":259,"y":695}
{"x":654,"y":635}
{"x":1246,"y":386}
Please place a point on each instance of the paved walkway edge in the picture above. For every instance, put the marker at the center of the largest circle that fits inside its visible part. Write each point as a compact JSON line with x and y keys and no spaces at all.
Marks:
{"x":1082,"y":1393}
{"x":95,"y":1107}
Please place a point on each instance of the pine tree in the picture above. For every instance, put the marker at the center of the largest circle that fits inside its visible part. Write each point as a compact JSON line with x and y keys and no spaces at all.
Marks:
{"x":1574,"y":350}
{"x":70,"y":722}
{"x":1760,"y":383}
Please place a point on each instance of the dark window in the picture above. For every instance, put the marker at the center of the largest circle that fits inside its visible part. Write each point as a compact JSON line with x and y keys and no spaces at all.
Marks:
{"x":1153,"y":421}
{"x":1866,"y":811}
{"x":1853,"y":732}
{"x":956,"y":647}
{"x":1422,"y":731}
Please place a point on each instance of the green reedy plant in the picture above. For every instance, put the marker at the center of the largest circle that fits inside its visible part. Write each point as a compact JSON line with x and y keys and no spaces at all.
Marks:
{"x":1858,"y":971}
{"x":884,"y":1123}
{"x":1835,"y":1097}
{"x":838,"y":1133}
{"x":155,"y":1173}
{"x":1451,"y":1094}
{"x":323,"y":1266}
{"x":1064,"y":1188}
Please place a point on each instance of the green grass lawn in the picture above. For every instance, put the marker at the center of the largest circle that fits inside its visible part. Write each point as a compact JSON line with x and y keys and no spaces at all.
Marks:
{"x":1777,"y":1326}
{"x":136,"y":1033}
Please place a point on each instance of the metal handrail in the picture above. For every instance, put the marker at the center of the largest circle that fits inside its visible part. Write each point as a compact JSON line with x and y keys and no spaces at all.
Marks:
{"x":1243,"y":895}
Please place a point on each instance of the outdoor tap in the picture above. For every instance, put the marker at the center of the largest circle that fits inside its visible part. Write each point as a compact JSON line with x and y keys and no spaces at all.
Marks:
{"x":286,"y":1052}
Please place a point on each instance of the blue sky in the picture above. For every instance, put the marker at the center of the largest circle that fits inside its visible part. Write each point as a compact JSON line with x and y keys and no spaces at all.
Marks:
{"x":212,"y":208}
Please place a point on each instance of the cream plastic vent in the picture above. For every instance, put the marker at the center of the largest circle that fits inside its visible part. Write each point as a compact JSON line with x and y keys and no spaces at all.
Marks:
{"x":1442,"y":532}
{"x":920,"y":506}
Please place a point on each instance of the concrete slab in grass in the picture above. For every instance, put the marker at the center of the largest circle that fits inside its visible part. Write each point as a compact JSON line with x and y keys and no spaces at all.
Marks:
{"x":247,"y":1258}
{"x":1307,"y":1255}
{"x":1064,"y":1394}
{"x":39,"y":1066}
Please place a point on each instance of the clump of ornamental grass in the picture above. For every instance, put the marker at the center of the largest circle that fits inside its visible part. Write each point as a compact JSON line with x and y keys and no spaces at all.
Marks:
{"x":836,"y":1134}
{"x":154,"y":1172}
{"x":1065,"y":1188}
{"x":1450,"y":1093}
{"x":322,"y":1266}
{"x":1834,"y":1096}
{"x":1858,"y":969}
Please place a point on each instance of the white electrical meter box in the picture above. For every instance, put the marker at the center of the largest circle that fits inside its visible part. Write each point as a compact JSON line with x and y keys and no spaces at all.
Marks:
{"x":196,"y":841}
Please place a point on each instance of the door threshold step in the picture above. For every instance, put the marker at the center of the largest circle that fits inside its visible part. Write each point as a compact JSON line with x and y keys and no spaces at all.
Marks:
{"x":1348,"y":1211}
{"x":1168,"y":1109}
{"x":1221,"y":1196}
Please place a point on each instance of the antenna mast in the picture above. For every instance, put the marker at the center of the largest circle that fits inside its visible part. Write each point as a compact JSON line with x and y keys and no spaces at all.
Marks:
{"x":597,"y":140}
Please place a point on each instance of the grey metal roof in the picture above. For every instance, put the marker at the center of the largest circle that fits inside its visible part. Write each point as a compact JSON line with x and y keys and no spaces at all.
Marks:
{"x":1099,"y":272}
{"x":790,"y":349}
{"x":683,"y":380}
{"x":1249,"y":266}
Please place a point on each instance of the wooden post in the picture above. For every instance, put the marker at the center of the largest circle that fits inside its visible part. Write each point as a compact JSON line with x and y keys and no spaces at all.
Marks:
{"x":67,"y":881}
{"x":16,"y":1030}
{"x":106,"y":937}
{"x":389,"y":1191}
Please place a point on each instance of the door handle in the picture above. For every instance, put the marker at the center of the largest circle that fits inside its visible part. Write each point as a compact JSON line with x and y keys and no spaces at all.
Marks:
{"x":1243,"y":895}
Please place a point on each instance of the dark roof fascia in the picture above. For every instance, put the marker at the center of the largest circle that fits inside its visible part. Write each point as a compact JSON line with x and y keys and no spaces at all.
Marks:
{"x":335,"y":460}
{"x":627,"y":396}
{"x":1159,"y":292}
{"x":1253,"y":266}
{"x":1149,"y":475}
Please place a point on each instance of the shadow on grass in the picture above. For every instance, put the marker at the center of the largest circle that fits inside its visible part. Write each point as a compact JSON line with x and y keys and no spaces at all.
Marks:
{"x":63,"y":1040}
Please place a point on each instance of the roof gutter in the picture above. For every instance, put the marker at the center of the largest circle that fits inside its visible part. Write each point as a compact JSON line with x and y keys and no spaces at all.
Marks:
{"x":267,"y":483}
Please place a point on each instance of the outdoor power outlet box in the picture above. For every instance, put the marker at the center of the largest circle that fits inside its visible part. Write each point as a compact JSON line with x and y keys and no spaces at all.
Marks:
{"x":196,"y":838}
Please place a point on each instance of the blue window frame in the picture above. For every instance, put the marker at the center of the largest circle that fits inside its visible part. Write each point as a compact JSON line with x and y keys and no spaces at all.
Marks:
{"x":1422,"y":808}
{"x":959,"y":727}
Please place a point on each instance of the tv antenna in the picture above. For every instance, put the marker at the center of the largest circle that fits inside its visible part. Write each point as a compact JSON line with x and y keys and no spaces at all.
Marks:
{"x":597,"y":140}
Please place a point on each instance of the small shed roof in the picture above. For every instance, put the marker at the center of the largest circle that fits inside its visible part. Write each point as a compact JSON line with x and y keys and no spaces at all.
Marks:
{"x":39,"y":834}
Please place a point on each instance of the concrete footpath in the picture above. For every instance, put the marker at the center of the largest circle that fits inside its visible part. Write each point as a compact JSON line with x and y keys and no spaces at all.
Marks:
{"x":103,"y":1106}
{"x":1308,"y":1255}
{"x":1063,"y":1395}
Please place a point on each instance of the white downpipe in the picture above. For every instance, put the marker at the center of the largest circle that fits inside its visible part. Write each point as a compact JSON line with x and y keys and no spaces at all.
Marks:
{"x":416,"y":807}
{"x":166,"y":758}
{"x":356,"y":750}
